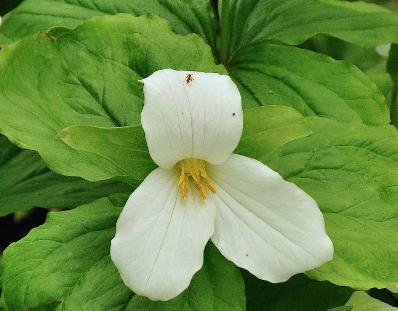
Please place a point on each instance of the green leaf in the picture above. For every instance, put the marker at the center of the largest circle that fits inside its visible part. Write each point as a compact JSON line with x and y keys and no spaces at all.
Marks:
{"x":132,"y":158}
{"x":88,"y":76}
{"x":313,"y":84}
{"x":65,"y":265}
{"x":351,"y":170}
{"x":283,"y":124}
{"x":298,"y":294}
{"x":366,"y":59}
{"x":244,"y":23}
{"x":361,"y":301}
{"x":382,"y":79}
{"x":26,"y":183}
{"x":32,"y":16}
{"x":4,"y":40}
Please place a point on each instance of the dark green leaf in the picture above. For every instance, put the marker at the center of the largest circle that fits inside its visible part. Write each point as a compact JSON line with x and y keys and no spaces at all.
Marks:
{"x":392,"y":64}
{"x":392,"y":68}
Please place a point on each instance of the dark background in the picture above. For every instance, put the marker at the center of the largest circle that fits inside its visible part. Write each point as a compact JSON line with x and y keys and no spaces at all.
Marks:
{"x":8,"y":5}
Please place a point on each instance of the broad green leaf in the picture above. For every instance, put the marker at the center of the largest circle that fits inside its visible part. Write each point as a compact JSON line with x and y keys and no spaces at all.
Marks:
{"x":313,"y":84}
{"x":4,"y":40}
{"x":32,"y":16}
{"x":382,"y":79}
{"x":132,"y":157}
{"x":366,"y":59}
{"x":88,"y":76}
{"x":65,"y":265}
{"x":270,"y":127}
{"x":26,"y":183}
{"x":351,"y":170}
{"x":298,"y":294}
{"x":244,"y":23}
{"x":361,"y":301}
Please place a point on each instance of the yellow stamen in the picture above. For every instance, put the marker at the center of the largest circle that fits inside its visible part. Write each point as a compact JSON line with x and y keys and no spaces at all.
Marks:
{"x":194,"y":170}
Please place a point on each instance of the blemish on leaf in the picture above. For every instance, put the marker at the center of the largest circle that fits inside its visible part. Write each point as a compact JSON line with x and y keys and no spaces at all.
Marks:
{"x":189,"y":78}
{"x":49,"y":36}
{"x":233,"y":114}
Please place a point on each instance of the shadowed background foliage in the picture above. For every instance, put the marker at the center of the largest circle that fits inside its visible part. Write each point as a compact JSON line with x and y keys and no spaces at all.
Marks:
{"x":8,"y":5}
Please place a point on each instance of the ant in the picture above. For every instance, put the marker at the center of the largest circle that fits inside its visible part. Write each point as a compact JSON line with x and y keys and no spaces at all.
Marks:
{"x":189,"y":78}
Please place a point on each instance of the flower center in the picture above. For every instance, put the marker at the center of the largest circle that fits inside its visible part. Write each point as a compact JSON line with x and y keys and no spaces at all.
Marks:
{"x":194,"y":170}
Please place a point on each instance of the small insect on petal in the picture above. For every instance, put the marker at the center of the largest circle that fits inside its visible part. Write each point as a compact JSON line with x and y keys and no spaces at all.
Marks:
{"x":189,"y":78}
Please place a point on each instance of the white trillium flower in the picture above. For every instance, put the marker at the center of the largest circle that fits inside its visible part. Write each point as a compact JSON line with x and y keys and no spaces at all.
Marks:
{"x":202,"y":191}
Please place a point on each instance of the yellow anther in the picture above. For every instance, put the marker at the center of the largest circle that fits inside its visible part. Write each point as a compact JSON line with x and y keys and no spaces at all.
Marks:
{"x":194,"y":170}
{"x":210,"y":185}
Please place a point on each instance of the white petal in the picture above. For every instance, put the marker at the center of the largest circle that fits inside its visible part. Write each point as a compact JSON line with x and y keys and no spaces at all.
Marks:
{"x":265,"y":224}
{"x":200,"y":118}
{"x":160,"y":238}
